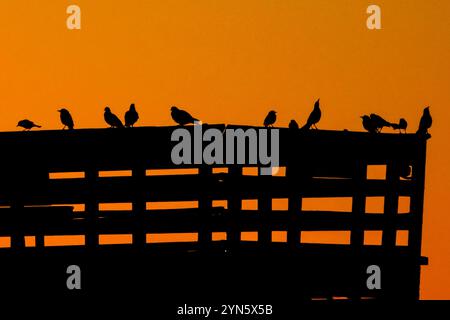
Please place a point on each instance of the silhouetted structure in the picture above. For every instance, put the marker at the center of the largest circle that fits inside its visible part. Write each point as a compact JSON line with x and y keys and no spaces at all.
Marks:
{"x":315,"y":164}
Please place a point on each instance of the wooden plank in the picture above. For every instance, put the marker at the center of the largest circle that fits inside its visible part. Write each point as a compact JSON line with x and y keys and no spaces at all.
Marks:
{"x":98,"y":148}
{"x":416,"y":208}
{"x":91,"y":207}
{"x":391,"y":203}
{"x":235,"y":207}
{"x":170,"y":188}
{"x":139,"y":206}
{"x":358,"y":205}
{"x":294,"y":207}
{"x":205,"y":208}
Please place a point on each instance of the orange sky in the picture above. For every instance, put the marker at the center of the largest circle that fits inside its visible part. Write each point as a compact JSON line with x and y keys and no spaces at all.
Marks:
{"x":230,"y":62}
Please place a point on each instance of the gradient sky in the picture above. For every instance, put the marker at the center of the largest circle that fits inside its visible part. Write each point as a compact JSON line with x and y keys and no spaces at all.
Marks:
{"x":230,"y":61}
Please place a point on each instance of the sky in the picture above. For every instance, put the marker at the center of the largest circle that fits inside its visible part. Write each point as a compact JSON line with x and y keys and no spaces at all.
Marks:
{"x":232,"y":61}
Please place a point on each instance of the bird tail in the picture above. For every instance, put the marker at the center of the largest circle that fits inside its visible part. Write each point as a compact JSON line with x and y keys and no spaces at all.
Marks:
{"x":37,"y":126}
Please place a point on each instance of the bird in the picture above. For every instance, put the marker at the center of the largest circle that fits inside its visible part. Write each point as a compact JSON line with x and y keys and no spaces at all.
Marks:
{"x":368,"y":124}
{"x":182,"y":117}
{"x":131,"y":116}
{"x":112,"y":119}
{"x":66,"y":118}
{"x":401,"y":125}
{"x":270,"y":119}
{"x":379,"y":122}
{"x":425,"y":122}
{"x":293,"y":124}
{"x":314,"y":116}
{"x":27,"y":124}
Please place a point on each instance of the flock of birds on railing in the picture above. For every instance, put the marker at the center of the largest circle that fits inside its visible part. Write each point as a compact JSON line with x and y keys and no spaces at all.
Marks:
{"x":372,"y":123}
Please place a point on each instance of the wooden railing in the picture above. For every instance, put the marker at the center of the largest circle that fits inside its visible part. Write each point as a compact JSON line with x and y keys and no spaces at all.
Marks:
{"x":314,"y":164}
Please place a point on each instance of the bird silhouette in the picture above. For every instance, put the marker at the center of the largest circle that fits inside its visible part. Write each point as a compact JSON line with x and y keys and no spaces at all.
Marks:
{"x":401,"y":125}
{"x":270,"y":119}
{"x":131,"y":116}
{"x":112,"y":119}
{"x":181,"y":117}
{"x":293,"y":124}
{"x":27,"y":124}
{"x":425,"y":122}
{"x":66,"y":118}
{"x":379,"y":122}
{"x":314,"y":116}
{"x":368,"y":124}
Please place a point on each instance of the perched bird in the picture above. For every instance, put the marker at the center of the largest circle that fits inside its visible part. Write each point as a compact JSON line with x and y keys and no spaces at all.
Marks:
{"x":66,"y":118}
{"x":368,"y":124}
{"x":425,"y":122}
{"x":270,"y":119}
{"x":27,"y":124}
{"x":112,"y":119}
{"x":401,"y":125}
{"x":131,"y":116}
{"x":379,"y":122}
{"x":314,"y":116}
{"x":181,"y":117}
{"x":293,"y":124}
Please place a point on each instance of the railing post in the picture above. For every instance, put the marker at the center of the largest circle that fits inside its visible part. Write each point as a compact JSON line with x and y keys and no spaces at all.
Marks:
{"x":16,"y":218}
{"x":234,"y":206}
{"x":91,"y":208}
{"x":416,"y":210}
{"x":264,"y":210}
{"x":139,"y":207}
{"x":205,"y":206}
{"x":390,"y":204}
{"x":358,"y":204}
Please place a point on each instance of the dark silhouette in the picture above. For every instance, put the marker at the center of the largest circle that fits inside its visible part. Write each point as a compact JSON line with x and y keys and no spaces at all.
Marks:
{"x":329,"y":164}
{"x":270,"y":119}
{"x":314,"y":116}
{"x":131,"y":116}
{"x":66,"y":118}
{"x":293,"y":125}
{"x":182,"y":117}
{"x":27,"y":124}
{"x":112,"y":119}
{"x":368,"y":124}
{"x":401,"y":125}
{"x":379,"y":122}
{"x":425,"y":122}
